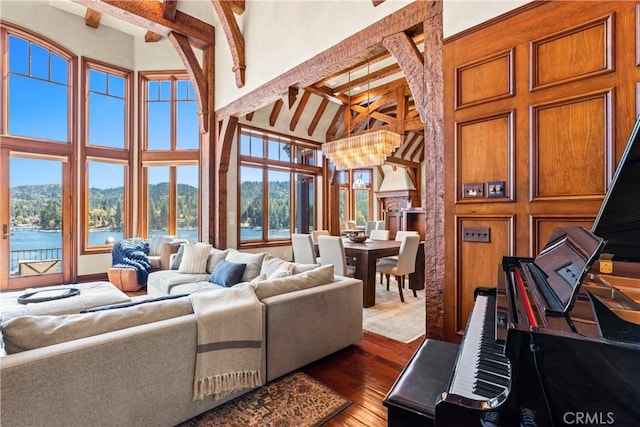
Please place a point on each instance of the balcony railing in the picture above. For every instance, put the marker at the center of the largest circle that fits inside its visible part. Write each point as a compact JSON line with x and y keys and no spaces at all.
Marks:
{"x":29,"y":262}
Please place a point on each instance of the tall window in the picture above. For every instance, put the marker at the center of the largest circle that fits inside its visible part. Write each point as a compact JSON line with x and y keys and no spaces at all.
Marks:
{"x":277,"y":182}
{"x":37,"y":153}
{"x":107,"y":155}
{"x":355,"y":204}
{"x":170,"y":155}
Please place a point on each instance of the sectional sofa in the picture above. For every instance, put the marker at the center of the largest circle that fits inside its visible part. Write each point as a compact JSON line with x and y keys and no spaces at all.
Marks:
{"x":142,"y":371}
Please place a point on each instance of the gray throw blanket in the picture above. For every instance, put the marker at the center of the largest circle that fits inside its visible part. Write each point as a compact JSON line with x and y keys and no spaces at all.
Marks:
{"x":229,"y":353}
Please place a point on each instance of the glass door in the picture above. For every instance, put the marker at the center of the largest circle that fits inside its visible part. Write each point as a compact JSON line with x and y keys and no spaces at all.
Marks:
{"x":33,"y":227}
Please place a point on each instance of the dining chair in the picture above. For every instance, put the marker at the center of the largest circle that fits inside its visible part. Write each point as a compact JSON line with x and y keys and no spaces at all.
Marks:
{"x":371,"y":225}
{"x":332,"y":252}
{"x":303,"y":251}
{"x":379,"y":235}
{"x":379,"y":225}
{"x":351,"y":225}
{"x":399,"y":236}
{"x":405,"y":265}
{"x":316,"y":233}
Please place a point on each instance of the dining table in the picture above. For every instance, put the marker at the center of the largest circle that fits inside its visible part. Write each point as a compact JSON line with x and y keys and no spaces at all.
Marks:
{"x":366,"y":254}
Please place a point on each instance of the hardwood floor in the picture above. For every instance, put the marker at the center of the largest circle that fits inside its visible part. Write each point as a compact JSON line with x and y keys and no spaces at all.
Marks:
{"x":363,"y":373}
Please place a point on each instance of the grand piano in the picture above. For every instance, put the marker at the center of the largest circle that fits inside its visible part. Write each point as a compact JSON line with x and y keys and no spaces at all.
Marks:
{"x":557,"y":342}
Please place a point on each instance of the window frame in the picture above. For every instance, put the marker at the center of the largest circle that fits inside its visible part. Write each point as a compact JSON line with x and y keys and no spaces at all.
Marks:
{"x":172,"y":157}
{"x":45,"y":149}
{"x":267,"y":164}
{"x":350,"y":204}
{"x":98,"y":153}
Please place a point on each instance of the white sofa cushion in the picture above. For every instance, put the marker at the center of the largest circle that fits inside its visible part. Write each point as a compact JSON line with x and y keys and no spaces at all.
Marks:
{"x":29,"y":332}
{"x":309,"y":279}
{"x":194,"y":258}
{"x":253,"y":262}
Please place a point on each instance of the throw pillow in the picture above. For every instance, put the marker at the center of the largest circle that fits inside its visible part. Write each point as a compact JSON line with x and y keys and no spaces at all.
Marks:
{"x":215,"y":257}
{"x":253,"y":261}
{"x":155,"y":245}
{"x":309,"y":279}
{"x":284,"y":271}
{"x":271,"y":263}
{"x":194,"y":258}
{"x":177,"y":259}
{"x":227,"y":273}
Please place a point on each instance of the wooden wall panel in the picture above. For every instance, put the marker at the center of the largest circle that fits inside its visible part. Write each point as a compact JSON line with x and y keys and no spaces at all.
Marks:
{"x":555,"y":138}
{"x":486,"y":80}
{"x":580,"y":52}
{"x":542,"y":226}
{"x":570,"y":147}
{"x":472,"y":273}
{"x":484,"y":150}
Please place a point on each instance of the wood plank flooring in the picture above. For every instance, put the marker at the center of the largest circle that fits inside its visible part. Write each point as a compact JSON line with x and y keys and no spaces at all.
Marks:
{"x":363,"y":373}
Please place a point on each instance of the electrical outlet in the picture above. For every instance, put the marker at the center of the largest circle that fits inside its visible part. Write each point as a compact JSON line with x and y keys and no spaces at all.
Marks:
{"x":476,"y":234}
{"x":471,"y":190}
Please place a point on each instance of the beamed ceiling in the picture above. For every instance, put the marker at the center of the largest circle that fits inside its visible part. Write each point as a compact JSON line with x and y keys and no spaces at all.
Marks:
{"x":370,"y":92}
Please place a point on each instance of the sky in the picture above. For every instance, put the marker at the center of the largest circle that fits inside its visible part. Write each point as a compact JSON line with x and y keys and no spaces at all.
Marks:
{"x":38,"y":95}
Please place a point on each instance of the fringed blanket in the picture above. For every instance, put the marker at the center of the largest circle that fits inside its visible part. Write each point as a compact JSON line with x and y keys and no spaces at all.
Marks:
{"x":229,"y":353}
{"x":132,"y":253}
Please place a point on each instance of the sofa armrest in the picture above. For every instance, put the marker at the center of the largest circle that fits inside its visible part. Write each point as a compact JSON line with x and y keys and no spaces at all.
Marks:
{"x":306,"y":325}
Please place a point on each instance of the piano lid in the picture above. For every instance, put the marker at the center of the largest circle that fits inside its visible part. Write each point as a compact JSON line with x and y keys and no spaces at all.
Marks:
{"x":562,"y":265}
{"x":618,"y":221}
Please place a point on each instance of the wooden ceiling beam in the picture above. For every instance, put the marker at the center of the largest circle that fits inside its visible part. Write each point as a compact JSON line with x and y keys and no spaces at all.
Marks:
{"x":234,"y":38}
{"x":299,"y":109}
{"x":249,"y":116}
{"x":327,"y":94}
{"x":149,"y":14}
{"x":380,"y":91}
{"x":92,"y":18}
{"x":170,"y":9}
{"x":352,"y":50}
{"x":373,"y":76}
{"x":418,"y":147}
{"x":237,"y":6}
{"x":412,"y":64}
{"x":317,"y":116}
{"x":332,"y":130}
{"x":151,"y":37}
{"x":293,"y":95}
{"x":275,"y":112}
{"x":377,"y":3}
{"x":381,"y":56}
{"x":196,"y":74}
{"x":413,"y":124}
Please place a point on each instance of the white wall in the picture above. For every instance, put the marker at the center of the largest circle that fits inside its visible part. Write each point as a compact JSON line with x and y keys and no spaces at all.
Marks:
{"x":278,"y":35}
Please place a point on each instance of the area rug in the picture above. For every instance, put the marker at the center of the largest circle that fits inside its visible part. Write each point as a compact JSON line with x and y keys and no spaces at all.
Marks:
{"x":389,"y":317}
{"x":294,"y":400}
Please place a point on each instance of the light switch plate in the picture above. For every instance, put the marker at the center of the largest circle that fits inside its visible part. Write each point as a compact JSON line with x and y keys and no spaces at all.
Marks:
{"x":473,"y":190}
{"x":495,"y":188}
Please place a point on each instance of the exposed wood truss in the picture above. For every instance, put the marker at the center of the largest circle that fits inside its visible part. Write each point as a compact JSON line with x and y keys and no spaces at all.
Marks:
{"x":92,"y":18}
{"x":188,"y":57}
{"x":151,"y":37}
{"x":225,"y":11}
{"x":170,"y":9}
{"x":150,"y":15}
{"x":411,"y":62}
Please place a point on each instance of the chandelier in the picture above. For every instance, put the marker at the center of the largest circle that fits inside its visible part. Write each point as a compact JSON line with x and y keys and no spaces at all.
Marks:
{"x":362,"y":150}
